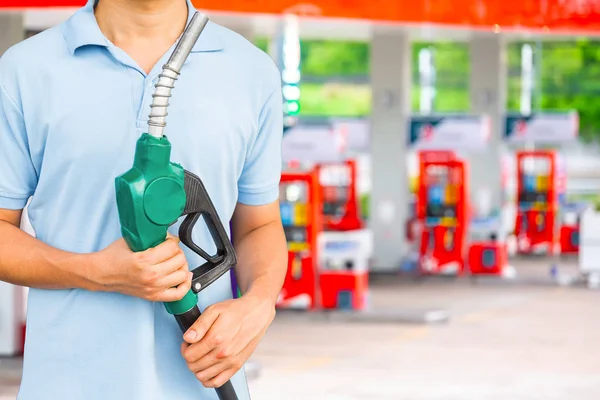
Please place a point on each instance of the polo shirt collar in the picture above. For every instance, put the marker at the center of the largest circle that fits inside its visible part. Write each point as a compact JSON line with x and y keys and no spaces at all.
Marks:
{"x":82,"y":30}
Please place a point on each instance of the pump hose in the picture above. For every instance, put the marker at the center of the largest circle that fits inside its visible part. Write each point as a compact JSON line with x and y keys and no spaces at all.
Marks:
{"x":156,"y":126}
{"x":185,"y":321}
{"x":170,"y":73}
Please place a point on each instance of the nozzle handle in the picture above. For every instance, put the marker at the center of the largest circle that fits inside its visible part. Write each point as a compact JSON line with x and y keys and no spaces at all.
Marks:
{"x":199,"y":205}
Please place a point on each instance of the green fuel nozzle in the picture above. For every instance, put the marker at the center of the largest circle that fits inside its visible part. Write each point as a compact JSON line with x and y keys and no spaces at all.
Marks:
{"x":156,"y":192}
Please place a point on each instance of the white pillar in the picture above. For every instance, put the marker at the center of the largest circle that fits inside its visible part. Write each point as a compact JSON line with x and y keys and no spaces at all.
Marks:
{"x":390,"y":83}
{"x":12,"y":30}
{"x":488,"y":96}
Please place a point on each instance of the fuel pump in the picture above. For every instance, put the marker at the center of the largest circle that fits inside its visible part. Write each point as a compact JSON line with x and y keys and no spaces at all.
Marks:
{"x":156,"y":192}
{"x":442,"y":208}
{"x":540,"y":192}
{"x":414,"y":224}
{"x":300,"y":207}
{"x":341,"y":211}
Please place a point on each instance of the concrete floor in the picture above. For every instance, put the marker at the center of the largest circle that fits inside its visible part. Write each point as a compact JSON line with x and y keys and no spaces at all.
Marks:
{"x":504,"y":341}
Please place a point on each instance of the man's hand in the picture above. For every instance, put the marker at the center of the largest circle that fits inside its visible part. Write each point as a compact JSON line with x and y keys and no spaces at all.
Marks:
{"x":223,"y":338}
{"x":158,"y":274}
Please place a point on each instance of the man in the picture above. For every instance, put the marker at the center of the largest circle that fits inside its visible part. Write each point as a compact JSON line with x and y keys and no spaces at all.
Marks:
{"x":73,"y":101}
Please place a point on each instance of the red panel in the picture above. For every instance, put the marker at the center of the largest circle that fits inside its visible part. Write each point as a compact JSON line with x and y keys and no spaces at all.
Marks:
{"x":558,"y":15}
{"x":300,"y":283}
{"x":443,"y":259}
{"x":476,"y":255}
{"x":41,"y":3}
{"x":532,"y":237}
{"x":332,"y":283}
{"x":566,"y":244}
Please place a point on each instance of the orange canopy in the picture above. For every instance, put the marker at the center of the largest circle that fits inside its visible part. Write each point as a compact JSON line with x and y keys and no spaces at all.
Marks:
{"x":529,"y":14}
{"x":561,"y":15}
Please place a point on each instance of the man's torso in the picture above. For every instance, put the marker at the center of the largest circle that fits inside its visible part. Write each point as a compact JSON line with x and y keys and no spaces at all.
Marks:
{"x":83,"y":115}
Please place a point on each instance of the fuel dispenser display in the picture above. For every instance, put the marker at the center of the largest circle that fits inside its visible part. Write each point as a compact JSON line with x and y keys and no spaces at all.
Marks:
{"x":540,"y":194}
{"x":300,"y":207}
{"x":442,"y":208}
{"x":413,"y":224}
{"x":338,"y":181}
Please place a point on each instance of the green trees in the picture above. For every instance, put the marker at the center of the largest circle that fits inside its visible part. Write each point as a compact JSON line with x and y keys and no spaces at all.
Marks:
{"x":333,"y":58}
{"x":571,"y":80}
{"x":336,"y":78}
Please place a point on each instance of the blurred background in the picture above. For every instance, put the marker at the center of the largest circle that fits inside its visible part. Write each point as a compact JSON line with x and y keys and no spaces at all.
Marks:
{"x":440,"y":197}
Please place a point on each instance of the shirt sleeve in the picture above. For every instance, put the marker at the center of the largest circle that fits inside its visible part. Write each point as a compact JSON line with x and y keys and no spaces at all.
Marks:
{"x":259,"y":181}
{"x":17,"y":174}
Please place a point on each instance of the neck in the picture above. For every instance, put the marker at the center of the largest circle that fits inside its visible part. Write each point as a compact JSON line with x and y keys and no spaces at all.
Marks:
{"x":132,"y":20}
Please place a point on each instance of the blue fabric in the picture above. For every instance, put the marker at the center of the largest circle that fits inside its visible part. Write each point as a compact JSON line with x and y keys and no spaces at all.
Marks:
{"x":72,"y":106}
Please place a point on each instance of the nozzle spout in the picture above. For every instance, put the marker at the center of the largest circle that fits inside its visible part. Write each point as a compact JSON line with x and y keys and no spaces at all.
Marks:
{"x":170,"y":73}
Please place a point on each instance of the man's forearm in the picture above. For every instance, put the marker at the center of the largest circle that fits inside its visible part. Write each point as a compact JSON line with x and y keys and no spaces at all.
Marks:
{"x":26,"y":261}
{"x":262,"y":261}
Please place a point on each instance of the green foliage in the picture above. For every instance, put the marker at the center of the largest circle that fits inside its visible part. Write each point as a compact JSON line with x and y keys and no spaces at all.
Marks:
{"x":365,"y":205}
{"x":514,"y":77}
{"x":262,"y":43}
{"x":452,"y":76}
{"x":570,"y":78}
{"x":341,"y":100}
{"x":333,"y":58}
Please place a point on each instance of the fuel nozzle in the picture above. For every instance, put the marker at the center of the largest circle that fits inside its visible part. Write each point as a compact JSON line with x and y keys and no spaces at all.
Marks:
{"x":156,"y":192}
{"x":171,"y":70}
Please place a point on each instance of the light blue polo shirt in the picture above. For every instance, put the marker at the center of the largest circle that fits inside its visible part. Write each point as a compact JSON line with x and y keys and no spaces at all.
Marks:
{"x":72,"y":106}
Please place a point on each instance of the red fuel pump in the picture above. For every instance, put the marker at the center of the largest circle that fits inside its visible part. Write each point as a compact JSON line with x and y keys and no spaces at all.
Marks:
{"x":343,"y":265}
{"x":442,"y":209}
{"x":541,"y":188}
{"x":341,"y":211}
{"x":413,"y":225}
{"x":300,"y":206}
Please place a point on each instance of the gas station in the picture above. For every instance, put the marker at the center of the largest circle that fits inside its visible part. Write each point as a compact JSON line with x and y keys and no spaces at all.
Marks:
{"x":481,"y":194}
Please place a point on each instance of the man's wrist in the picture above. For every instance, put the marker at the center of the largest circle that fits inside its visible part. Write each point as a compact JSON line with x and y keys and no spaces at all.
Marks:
{"x":262,"y":292}
{"x":83,"y":268}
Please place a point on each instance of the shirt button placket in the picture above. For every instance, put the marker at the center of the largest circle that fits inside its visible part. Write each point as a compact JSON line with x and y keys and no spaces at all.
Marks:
{"x":142,"y":121}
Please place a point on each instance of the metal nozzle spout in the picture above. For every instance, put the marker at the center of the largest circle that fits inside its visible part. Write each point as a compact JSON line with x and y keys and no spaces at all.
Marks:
{"x":170,"y":73}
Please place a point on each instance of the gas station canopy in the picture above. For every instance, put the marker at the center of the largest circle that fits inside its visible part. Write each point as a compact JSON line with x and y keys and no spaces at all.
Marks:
{"x":545,"y":16}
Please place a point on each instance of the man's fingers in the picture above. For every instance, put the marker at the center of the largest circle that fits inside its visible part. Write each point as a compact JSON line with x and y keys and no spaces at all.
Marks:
{"x":205,"y":362}
{"x":201,"y":327}
{"x":210,"y":374}
{"x":171,"y":265}
{"x":175,"y":279}
{"x":222,"y":355}
{"x":164,"y":251}
{"x":214,"y":338}
{"x":220,"y":379}
{"x":176,"y":293}
{"x":233,"y":365}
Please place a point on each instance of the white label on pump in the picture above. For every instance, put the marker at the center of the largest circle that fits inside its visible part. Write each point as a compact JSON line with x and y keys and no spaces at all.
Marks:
{"x":335,"y":175}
